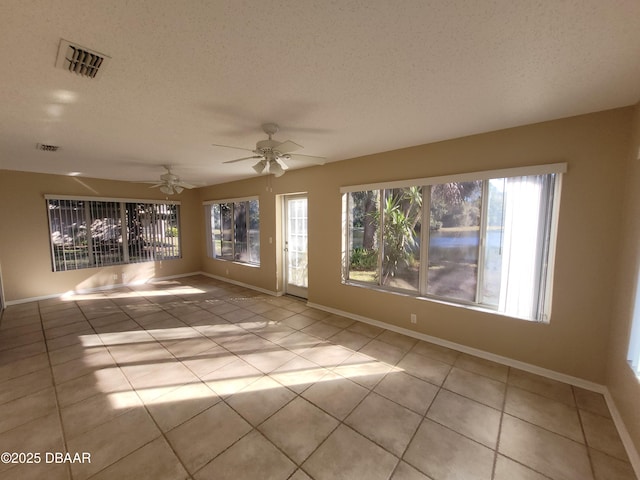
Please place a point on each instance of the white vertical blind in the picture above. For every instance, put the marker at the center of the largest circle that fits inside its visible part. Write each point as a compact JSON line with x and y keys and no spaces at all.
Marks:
{"x":94,"y":233}
{"x":524,"y":244}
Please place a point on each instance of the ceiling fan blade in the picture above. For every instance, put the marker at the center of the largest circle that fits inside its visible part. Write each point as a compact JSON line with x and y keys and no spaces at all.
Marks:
{"x":288,"y":146}
{"x":309,"y":158}
{"x":283,"y":164}
{"x":241,"y":159}
{"x":229,"y":146}
{"x":156,"y":185}
{"x":185,"y":185}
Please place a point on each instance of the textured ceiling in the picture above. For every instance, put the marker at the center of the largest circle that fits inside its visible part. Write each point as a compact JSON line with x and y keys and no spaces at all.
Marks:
{"x":343,"y":78}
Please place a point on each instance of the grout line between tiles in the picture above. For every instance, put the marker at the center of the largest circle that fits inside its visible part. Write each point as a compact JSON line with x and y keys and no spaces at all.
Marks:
{"x":584,"y":434}
{"x":424,"y":417}
{"x":55,"y":392}
{"x":504,"y":404}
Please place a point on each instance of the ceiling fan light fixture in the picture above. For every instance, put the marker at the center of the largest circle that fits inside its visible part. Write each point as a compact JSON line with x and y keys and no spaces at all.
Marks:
{"x":259,"y":167}
{"x":276,"y":169}
{"x":166,"y":189}
{"x":178,"y":188}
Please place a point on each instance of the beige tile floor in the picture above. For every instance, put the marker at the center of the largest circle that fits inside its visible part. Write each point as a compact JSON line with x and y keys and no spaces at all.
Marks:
{"x":199,"y":379}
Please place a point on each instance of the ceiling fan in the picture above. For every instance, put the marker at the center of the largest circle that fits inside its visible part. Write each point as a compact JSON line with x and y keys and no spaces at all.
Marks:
{"x":170,"y":183}
{"x":271,"y":154}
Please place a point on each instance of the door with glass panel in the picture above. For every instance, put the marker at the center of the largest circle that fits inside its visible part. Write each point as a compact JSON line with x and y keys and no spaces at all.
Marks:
{"x":295,"y":245}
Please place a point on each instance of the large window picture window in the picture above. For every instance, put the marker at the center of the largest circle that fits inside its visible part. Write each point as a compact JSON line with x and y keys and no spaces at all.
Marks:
{"x":233,"y":228}
{"x":86,"y":233}
{"x":485,"y":239}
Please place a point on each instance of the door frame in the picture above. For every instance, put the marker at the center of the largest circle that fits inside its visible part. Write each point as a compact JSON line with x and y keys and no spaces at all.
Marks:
{"x":288,"y":288}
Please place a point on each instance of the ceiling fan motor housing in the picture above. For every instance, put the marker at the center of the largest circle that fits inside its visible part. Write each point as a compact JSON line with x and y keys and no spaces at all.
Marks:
{"x":270,"y":128}
{"x":267,"y":145}
{"x":169,"y":177}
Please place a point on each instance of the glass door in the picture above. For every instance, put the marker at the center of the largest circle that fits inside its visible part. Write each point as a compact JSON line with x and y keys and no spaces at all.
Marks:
{"x":295,"y":245}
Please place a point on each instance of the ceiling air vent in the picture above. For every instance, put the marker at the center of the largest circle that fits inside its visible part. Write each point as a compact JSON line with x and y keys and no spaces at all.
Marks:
{"x":47,"y":148}
{"x":80,"y":60}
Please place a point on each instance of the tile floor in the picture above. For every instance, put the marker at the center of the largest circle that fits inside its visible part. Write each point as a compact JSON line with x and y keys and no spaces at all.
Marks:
{"x":199,"y":379}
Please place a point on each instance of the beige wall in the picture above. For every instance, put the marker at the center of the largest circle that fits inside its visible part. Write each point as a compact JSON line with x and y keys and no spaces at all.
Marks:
{"x":575,"y":342}
{"x":622,"y":382}
{"x":595,"y":146}
{"x":25,"y":256}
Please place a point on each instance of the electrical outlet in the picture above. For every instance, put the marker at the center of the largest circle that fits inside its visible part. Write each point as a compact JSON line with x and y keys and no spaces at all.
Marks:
{"x":227,"y":271}
{"x":414,"y":318}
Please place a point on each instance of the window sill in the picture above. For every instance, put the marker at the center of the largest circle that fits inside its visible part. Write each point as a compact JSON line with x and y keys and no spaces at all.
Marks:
{"x":235,"y":262}
{"x":476,"y":308}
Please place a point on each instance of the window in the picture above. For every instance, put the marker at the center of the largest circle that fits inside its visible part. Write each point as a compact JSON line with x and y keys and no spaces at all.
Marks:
{"x":234,"y":230}
{"x":453,"y":240}
{"x":88,"y":233}
{"x":489,"y":241}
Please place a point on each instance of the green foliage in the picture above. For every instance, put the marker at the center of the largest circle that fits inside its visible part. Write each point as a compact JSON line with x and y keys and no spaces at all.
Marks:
{"x":455,"y":204}
{"x":364,"y":205}
{"x":401,"y":212}
{"x":359,"y":202}
{"x":398,"y":234}
{"x":398,"y":212}
{"x":172,"y":232}
{"x":363,"y":259}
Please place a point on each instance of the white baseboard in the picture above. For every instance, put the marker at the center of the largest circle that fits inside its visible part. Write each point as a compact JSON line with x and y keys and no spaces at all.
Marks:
{"x":32,"y":299}
{"x":85,"y":291}
{"x":242,"y":284}
{"x":578,"y":382}
{"x":634,"y":458}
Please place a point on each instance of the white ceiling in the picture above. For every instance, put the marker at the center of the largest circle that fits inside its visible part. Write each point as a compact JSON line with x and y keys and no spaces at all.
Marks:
{"x":344,"y":78}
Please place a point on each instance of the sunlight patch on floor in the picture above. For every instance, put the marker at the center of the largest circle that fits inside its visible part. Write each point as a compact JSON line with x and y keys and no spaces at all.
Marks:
{"x":79,"y":296}
{"x":243,"y":384}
